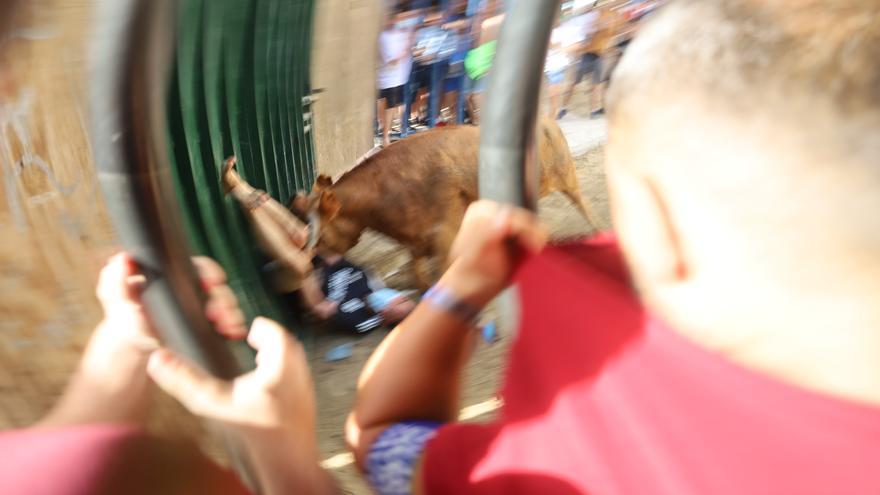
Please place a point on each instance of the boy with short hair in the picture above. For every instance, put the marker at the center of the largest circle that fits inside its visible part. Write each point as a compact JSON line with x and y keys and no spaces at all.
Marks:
{"x":728,"y":343}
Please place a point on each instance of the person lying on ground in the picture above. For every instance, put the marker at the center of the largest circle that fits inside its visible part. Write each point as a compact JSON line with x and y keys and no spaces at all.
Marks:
{"x":357,"y":300}
{"x":363,"y":301}
{"x":94,"y":439}
{"x":728,"y":342}
{"x":282,"y":236}
{"x":331,"y":287}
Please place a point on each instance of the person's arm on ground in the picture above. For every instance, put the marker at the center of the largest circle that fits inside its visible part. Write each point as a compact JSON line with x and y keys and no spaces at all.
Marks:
{"x":415,"y":373}
{"x":315,"y":298}
{"x":110,"y":384}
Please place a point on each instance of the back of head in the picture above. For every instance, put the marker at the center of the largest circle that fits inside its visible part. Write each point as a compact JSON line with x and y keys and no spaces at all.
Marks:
{"x":757,"y":125}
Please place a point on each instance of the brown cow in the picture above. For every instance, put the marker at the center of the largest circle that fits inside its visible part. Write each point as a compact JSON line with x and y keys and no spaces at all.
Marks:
{"x":416,"y":191}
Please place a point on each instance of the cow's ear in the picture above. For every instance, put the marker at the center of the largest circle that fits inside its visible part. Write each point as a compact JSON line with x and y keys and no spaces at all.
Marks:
{"x":323,"y":182}
{"x":329,"y":205}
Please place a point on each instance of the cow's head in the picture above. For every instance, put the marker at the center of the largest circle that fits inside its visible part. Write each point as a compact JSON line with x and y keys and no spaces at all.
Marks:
{"x":322,"y":209}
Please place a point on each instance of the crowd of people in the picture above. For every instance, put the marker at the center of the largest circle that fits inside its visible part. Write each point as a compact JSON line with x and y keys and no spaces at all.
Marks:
{"x":433,"y":54}
{"x":446,"y":55}
{"x":723,"y":341}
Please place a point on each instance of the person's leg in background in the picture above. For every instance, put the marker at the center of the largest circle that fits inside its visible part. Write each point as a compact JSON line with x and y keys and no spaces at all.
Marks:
{"x":601,"y":71}
{"x":384,"y":118}
{"x":395,"y":110}
{"x":423,"y":79}
{"x":579,"y":69}
{"x":555,"y":82}
{"x":451,"y":88}
{"x":474,"y":98}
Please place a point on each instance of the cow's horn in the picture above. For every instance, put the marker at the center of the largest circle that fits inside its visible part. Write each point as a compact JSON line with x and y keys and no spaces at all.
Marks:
{"x":314,"y":230}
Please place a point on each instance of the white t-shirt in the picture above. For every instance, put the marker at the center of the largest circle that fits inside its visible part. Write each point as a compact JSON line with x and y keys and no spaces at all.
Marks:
{"x":557,"y":59}
{"x":393,"y":44}
{"x":577,"y":29}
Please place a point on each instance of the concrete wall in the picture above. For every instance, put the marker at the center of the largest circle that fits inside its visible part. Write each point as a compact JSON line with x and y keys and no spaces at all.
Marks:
{"x":55,"y":234}
{"x":344,"y":65}
{"x":54,"y":231}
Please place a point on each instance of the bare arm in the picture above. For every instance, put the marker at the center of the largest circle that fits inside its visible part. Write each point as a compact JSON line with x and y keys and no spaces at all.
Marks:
{"x":416,"y":372}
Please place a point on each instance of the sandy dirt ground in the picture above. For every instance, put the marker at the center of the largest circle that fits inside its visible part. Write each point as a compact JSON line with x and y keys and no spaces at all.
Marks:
{"x":336,"y":381}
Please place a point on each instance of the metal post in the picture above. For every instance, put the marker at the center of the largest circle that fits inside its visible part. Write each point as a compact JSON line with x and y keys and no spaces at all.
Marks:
{"x":508,"y":155}
{"x":508,"y":158}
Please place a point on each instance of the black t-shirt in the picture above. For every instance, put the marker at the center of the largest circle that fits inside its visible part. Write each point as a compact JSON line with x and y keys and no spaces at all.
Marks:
{"x":349,"y":285}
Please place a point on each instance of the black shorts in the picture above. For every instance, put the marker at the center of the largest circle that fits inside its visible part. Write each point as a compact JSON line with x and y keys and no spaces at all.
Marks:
{"x":422,"y":76}
{"x":590,"y":64}
{"x":393,"y":96}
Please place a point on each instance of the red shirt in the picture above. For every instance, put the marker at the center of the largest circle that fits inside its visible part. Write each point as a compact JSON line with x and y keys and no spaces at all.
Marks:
{"x":602,"y":399}
{"x":106,"y":459}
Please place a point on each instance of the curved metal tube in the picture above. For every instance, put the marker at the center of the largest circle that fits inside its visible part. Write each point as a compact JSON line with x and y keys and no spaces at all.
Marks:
{"x":508,"y":157}
{"x":127,"y":105}
{"x":131,"y":56}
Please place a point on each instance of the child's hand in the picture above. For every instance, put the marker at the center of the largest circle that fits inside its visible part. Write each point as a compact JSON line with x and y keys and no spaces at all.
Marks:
{"x":489,"y":244}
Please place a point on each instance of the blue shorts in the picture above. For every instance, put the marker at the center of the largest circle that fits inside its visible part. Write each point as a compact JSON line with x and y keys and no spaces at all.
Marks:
{"x":380,"y":299}
{"x":556,"y":77}
{"x":452,"y":84}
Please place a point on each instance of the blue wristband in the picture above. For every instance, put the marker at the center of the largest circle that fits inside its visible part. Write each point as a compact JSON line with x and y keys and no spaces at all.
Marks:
{"x":443,"y":299}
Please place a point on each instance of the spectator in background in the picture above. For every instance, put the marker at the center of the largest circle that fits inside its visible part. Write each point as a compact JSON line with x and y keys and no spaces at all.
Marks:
{"x":600,"y":48}
{"x":556,"y":66}
{"x":576,"y":36}
{"x":396,"y":59}
{"x":429,"y":40}
{"x":479,"y":60}
{"x":456,"y":24}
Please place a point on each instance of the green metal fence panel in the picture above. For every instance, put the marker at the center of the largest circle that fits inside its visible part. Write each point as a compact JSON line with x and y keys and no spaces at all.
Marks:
{"x":238,"y":84}
{"x":297,"y":73}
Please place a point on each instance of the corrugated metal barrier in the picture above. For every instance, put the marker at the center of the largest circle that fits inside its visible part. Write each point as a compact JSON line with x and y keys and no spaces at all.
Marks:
{"x":240,"y":86}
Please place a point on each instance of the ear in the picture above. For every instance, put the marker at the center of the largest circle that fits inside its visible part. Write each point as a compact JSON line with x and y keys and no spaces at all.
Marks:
{"x":322,"y":182}
{"x":645,"y":228}
{"x":299,"y":203}
{"x":329,"y":206}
